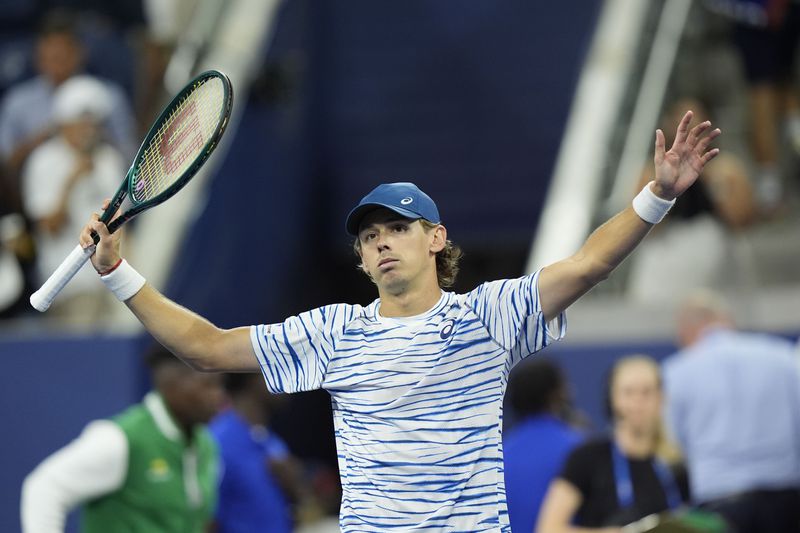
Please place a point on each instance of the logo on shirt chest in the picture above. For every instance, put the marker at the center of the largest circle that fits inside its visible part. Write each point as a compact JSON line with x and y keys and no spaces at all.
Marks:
{"x":158,"y":471}
{"x":447,"y":328}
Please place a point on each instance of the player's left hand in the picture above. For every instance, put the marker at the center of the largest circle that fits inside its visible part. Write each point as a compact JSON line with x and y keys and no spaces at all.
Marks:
{"x":678,"y":168}
{"x":107,"y":253}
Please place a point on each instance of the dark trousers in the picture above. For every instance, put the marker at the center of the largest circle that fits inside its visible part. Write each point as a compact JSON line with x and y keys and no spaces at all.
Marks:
{"x":760,"y":511}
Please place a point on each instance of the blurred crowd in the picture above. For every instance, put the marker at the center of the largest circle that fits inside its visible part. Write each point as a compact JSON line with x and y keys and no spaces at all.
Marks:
{"x":707,"y":440}
{"x":737,"y":66}
{"x":79,"y":81}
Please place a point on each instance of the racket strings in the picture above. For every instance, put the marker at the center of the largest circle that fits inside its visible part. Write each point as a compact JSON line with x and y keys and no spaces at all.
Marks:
{"x":180,"y":140}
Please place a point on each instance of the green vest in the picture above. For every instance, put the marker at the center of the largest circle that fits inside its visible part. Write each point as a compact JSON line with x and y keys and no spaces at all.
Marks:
{"x":170,"y":487}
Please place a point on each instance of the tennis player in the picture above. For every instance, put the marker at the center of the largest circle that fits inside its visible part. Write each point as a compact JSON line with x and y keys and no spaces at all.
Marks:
{"x":417,"y":377}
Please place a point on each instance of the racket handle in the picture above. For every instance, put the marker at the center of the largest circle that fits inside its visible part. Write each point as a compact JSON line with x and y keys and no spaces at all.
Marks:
{"x":41,"y":299}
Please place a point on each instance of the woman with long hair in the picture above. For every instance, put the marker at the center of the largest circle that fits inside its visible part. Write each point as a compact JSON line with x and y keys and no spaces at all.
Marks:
{"x":622,"y":477}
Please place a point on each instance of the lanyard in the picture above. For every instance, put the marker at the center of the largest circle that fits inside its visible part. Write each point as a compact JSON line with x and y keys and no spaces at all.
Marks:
{"x":622,"y":476}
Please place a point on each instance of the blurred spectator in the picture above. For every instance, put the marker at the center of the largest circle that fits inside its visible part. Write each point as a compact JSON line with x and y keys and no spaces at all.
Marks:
{"x":536,"y":446}
{"x":154,"y":467}
{"x":12,"y":280}
{"x":26,"y":111}
{"x":64,"y":181}
{"x":260,"y":478}
{"x":733,"y":404}
{"x":766,"y":34}
{"x":613,"y":481}
{"x":701,"y":226}
{"x":16,"y":260}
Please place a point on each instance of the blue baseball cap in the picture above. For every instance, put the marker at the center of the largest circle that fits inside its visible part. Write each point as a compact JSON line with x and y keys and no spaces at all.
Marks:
{"x":404,"y":198}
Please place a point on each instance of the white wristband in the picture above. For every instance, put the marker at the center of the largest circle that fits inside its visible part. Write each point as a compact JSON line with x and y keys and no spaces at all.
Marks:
{"x":124,"y":281}
{"x":650,"y":207}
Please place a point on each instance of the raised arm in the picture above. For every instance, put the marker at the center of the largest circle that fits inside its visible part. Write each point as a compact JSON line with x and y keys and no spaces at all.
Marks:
{"x":195,"y":340}
{"x":562,"y":283}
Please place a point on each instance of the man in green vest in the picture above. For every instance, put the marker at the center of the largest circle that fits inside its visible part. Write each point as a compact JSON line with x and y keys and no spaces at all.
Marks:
{"x":151,"y":468}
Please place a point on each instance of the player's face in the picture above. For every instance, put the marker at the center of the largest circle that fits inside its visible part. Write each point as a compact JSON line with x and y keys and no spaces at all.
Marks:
{"x":636,"y":396}
{"x":396,"y":251}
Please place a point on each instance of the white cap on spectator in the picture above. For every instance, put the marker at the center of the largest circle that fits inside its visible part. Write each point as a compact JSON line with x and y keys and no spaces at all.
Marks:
{"x":79,"y":97}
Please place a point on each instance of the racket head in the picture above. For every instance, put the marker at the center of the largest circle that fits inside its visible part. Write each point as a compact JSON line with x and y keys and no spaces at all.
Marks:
{"x":178,"y":143}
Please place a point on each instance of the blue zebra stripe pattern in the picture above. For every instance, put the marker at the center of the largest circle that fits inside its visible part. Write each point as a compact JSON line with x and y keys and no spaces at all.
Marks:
{"x":417,"y":402}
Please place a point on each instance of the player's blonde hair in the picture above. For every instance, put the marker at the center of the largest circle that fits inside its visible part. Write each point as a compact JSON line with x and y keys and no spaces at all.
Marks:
{"x":446,"y":259}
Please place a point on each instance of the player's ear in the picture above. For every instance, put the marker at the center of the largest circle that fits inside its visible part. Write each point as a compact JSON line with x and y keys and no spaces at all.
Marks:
{"x":361,"y":266}
{"x":439,"y":239}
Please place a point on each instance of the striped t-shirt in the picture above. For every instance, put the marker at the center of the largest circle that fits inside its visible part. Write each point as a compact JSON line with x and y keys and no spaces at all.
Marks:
{"x":417,"y":401}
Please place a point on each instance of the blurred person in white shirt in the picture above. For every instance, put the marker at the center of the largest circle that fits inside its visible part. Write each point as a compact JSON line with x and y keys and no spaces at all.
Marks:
{"x":64,"y":179}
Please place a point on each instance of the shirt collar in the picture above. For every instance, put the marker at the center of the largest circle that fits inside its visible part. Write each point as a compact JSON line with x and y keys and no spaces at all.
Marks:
{"x":376,"y":306}
{"x":154,"y":403}
{"x":712,"y":331}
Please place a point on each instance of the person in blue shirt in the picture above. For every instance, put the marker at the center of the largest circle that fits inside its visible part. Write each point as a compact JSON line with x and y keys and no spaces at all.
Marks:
{"x":733,"y":405}
{"x":259,"y":478}
{"x":537,"y":445}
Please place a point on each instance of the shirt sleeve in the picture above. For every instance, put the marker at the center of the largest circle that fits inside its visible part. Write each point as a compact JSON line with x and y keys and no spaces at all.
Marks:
{"x":9,"y":137}
{"x":579,"y":468}
{"x":294,"y":355}
{"x":512,"y":314}
{"x":672,"y":410}
{"x":92,"y":465}
{"x":275,"y":449}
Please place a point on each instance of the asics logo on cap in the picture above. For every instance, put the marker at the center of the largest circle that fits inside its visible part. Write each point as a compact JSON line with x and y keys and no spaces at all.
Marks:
{"x":407,"y":200}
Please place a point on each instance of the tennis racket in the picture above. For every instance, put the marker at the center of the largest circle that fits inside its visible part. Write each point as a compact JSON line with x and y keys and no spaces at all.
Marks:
{"x":178,"y":143}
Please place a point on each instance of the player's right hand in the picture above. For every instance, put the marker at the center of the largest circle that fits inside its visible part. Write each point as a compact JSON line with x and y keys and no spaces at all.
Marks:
{"x":107,"y":253}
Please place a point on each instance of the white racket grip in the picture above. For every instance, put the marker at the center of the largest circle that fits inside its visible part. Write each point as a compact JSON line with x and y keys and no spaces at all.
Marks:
{"x":41,"y":299}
